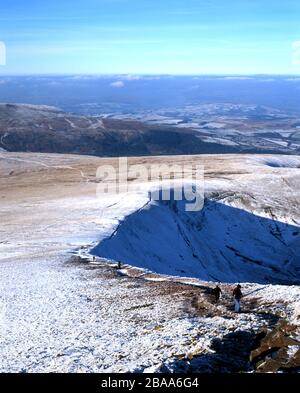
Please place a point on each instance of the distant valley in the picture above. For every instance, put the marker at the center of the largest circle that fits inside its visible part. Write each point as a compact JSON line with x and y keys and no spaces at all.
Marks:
{"x":202,"y":129}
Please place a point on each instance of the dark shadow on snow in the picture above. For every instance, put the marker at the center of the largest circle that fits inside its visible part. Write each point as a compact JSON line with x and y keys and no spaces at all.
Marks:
{"x":231,"y":354}
{"x":218,"y":243}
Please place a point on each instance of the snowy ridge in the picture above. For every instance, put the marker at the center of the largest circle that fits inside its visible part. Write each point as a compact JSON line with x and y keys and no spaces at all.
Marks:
{"x":62,"y":311}
{"x":280,"y":162}
{"x":219,"y":243}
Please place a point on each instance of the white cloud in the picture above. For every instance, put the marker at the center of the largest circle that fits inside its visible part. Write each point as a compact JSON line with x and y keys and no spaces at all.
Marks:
{"x":238,"y":77}
{"x":54,"y":83}
{"x":293,"y":79}
{"x":84,"y":77}
{"x":117,"y":84}
{"x":266,"y":80}
{"x":132,"y":77}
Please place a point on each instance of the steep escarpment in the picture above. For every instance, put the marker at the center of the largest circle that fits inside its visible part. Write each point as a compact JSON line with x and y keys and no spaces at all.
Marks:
{"x":218,"y":243}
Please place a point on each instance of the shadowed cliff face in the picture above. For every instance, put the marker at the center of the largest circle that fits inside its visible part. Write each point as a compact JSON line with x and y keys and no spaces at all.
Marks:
{"x":219,"y":243}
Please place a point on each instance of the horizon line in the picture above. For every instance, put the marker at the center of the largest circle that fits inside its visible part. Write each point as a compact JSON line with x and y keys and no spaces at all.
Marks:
{"x":154,"y":74}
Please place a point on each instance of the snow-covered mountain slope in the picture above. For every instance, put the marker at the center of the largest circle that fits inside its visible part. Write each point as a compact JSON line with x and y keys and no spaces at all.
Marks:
{"x":248,"y":230}
{"x":280,"y":162}
{"x":219,"y":243}
{"x":63,"y":313}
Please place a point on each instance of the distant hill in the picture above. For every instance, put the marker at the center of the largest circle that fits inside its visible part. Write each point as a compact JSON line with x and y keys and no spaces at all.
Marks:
{"x":40,"y":128}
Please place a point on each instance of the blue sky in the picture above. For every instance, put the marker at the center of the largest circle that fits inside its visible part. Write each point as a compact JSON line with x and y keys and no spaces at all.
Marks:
{"x":149,"y":36}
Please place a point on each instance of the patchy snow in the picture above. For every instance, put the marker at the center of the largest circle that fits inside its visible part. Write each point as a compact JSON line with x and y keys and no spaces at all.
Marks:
{"x":70,"y":123}
{"x":97,"y":124}
{"x":80,"y":315}
{"x":281,"y":143}
{"x":222,"y":141}
{"x":213,"y":125}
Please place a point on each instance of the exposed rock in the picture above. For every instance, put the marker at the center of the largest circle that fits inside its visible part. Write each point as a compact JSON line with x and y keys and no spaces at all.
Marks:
{"x":278,"y":349}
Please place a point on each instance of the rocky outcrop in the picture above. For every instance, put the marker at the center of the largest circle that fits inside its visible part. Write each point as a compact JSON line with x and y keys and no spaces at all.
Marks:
{"x":277,"y":350}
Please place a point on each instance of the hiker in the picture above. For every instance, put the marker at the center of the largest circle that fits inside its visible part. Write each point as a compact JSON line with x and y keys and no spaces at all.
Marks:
{"x":217,"y":292}
{"x":237,"y":294}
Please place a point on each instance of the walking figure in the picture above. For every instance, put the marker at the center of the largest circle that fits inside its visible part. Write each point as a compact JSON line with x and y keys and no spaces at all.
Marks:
{"x":237,"y":294}
{"x":217,"y":293}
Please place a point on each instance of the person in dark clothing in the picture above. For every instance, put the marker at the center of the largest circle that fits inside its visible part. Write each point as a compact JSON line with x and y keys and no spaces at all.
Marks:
{"x":237,"y":294}
{"x":217,"y":293}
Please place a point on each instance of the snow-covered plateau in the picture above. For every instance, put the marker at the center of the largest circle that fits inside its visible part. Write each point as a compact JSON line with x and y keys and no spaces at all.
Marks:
{"x":66,"y":305}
